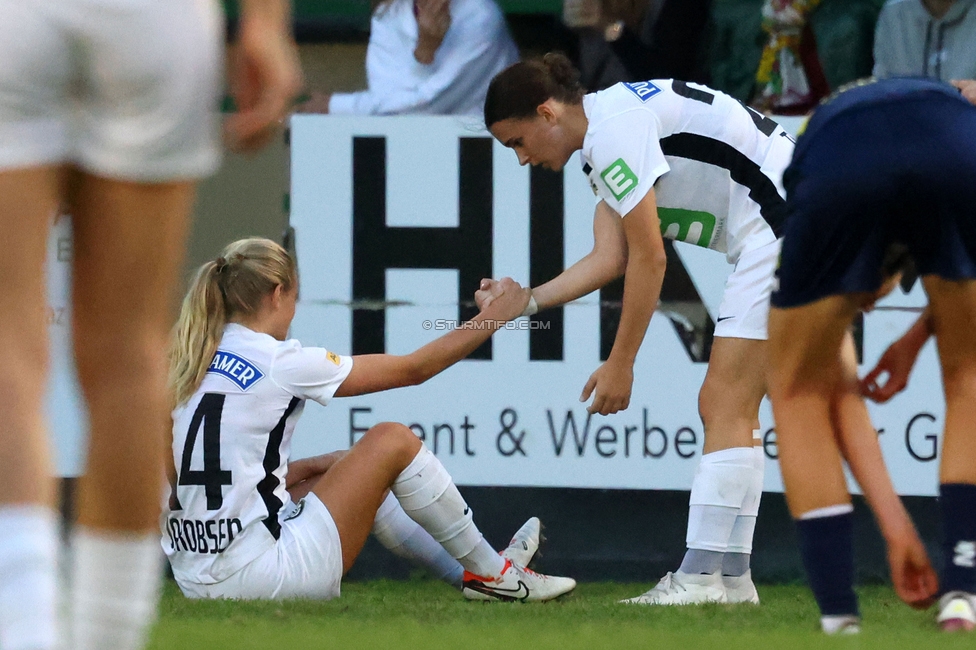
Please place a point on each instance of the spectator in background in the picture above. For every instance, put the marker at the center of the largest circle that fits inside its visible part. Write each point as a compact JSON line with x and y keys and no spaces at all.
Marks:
{"x":931,"y":38}
{"x":636,"y":40}
{"x":790,"y":80}
{"x":427,"y":56}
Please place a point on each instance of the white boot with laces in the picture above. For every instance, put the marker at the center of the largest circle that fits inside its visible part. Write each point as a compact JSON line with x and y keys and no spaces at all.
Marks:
{"x":678,"y":588}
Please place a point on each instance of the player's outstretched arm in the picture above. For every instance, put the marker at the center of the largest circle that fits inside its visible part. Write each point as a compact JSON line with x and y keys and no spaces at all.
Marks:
{"x":607,"y":261}
{"x":375,"y":372}
{"x":914,"y":579}
{"x":897,"y":362}
{"x":612,"y":382}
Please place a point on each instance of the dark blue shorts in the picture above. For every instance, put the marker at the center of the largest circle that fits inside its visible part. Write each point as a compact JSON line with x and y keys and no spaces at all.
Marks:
{"x":871,"y":177}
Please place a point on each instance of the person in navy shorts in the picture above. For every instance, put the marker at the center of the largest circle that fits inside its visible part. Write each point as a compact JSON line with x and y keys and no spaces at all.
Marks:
{"x":883,"y":176}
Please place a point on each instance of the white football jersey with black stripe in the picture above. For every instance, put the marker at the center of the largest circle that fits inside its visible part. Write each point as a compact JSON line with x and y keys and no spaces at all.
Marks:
{"x":231,"y":444}
{"x":716,"y":166}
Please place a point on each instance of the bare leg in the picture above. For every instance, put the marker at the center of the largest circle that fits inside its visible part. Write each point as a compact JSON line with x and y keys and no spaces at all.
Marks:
{"x":727,"y":487}
{"x":391,"y":456}
{"x":129,"y":243}
{"x":732,"y":391}
{"x":804,"y":373}
{"x":28,"y":519}
{"x":354,"y":487}
{"x":391,"y":526}
{"x":28,"y":201}
{"x":954,"y":318}
{"x":129,"y":247}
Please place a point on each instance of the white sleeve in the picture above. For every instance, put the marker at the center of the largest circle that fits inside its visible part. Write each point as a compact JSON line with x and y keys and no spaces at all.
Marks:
{"x":309,"y":373}
{"x":472,"y":52}
{"x":627,"y":159}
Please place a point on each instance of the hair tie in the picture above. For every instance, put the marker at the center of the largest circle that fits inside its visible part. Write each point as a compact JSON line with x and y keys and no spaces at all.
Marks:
{"x":221,"y":264}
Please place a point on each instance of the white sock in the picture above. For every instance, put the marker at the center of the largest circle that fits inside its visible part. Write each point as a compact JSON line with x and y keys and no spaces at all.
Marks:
{"x":28,"y":577}
{"x":115,"y":587}
{"x":717,"y":494}
{"x":740,"y":541}
{"x":429,"y":496}
{"x":405,"y":538}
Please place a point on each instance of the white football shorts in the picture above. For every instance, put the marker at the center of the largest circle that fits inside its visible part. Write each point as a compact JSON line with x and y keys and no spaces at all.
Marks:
{"x":306,"y":561}
{"x":125,"y":89}
{"x":744,"y":311}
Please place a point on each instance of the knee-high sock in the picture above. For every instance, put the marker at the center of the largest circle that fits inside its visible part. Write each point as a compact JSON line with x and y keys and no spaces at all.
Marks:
{"x":737,"y":557}
{"x":115,"y":587}
{"x":717,"y":494}
{"x":958,"y":501}
{"x":405,"y":538}
{"x":429,"y":496}
{"x":826,"y":540}
{"x":28,"y":577}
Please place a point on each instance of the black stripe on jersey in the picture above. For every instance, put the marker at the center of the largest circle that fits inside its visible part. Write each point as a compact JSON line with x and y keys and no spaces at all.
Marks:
{"x":762,"y":190}
{"x":686,"y":91}
{"x":587,"y":169}
{"x":270,"y":482}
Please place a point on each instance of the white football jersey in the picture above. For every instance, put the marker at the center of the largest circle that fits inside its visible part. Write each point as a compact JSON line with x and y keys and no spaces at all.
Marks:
{"x":231,"y":443}
{"x":703,"y":152}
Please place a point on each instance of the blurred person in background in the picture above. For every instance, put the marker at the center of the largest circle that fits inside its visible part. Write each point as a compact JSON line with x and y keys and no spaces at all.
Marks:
{"x":884,"y":175}
{"x":790,"y":78}
{"x":637,"y":40}
{"x":926,"y":38}
{"x":433,"y":57}
{"x":107,"y":107}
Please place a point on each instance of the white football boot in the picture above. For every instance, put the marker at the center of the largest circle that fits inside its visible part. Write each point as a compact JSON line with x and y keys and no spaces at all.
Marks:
{"x":841,"y":624}
{"x":678,"y":588}
{"x":515,"y":583}
{"x":740,"y":589}
{"x":524,"y":543}
{"x":957,"y":612}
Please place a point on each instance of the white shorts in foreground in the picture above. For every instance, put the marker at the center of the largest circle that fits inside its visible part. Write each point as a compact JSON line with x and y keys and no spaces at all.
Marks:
{"x":306,"y":562}
{"x":125,"y":89}
{"x":744,"y":311}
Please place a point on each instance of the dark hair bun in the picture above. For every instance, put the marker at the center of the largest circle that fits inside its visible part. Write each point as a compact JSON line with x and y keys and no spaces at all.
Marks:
{"x":562,"y":72}
{"x":517,"y":91}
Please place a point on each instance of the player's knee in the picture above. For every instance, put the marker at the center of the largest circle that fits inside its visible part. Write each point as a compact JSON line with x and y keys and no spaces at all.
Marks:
{"x":713,"y":401}
{"x":393,"y":438}
{"x":724,"y":401}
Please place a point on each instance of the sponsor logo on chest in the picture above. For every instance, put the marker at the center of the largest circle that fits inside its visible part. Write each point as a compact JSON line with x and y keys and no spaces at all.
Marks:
{"x":239,"y":370}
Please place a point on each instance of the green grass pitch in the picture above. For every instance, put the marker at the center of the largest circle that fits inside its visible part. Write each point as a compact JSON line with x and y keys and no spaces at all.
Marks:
{"x":430,"y":615}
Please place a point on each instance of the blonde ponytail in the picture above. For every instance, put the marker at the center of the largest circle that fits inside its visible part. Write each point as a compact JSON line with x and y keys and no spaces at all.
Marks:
{"x":231,"y":286}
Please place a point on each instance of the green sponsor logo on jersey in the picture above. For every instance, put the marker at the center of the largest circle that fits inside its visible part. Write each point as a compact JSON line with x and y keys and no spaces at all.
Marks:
{"x":689,"y":226}
{"x":619,"y":178}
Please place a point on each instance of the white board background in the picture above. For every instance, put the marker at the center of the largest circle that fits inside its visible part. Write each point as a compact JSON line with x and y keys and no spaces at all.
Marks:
{"x":471,"y":398}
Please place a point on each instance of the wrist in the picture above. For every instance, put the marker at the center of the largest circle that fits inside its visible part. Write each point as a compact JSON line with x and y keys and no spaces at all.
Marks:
{"x":893,"y":519}
{"x":620,"y":359}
